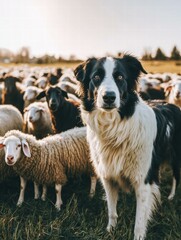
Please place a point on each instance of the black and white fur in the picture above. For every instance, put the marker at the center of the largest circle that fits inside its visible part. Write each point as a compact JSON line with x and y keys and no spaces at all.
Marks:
{"x":127,"y":137}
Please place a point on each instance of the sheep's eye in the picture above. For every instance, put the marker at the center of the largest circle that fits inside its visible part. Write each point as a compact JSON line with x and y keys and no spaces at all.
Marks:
{"x":19,"y":145}
{"x":97,"y":78}
{"x":119,"y":77}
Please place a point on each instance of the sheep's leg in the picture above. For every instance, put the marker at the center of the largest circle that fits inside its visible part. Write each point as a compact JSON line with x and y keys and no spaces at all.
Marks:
{"x":176,"y":178}
{"x":58,"y":189}
{"x":172,"y":193}
{"x":44,"y":193}
{"x":112,"y":198}
{"x":22,"y":191}
{"x":36,"y":191}
{"x":93,"y":186}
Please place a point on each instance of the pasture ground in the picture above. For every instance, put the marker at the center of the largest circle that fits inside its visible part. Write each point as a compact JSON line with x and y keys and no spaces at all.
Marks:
{"x":80,"y":217}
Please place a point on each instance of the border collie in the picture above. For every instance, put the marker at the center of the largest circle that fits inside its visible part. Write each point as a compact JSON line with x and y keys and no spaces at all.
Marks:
{"x":128,"y":139}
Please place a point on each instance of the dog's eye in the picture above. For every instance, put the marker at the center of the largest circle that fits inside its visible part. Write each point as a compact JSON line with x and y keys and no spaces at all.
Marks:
{"x":19,"y":145}
{"x":97,"y":78}
{"x":119,"y":77}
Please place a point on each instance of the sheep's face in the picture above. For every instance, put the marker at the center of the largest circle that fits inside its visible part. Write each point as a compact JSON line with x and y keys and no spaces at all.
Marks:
{"x":42,"y":84}
{"x":12,"y":146}
{"x":55,"y":98}
{"x":29,"y":95}
{"x":34,"y":114}
{"x":176,"y":91}
{"x":10,"y":83}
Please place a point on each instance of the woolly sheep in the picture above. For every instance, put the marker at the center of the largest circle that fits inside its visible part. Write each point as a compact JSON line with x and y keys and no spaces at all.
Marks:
{"x":37,"y":120}
{"x":173,"y":92}
{"x":30,"y":95}
{"x":10,"y":118}
{"x":50,"y":160}
{"x":42,"y":82}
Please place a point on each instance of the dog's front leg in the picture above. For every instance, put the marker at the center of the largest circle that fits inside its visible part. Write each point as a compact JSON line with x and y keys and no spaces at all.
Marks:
{"x":111,"y":190}
{"x":143,"y":194}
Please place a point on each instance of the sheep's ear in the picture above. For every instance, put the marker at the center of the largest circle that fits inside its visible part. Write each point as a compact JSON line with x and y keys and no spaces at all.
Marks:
{"x":26,"y":148}
{"x":64,"y":94}
{"x":1,"y":142}
{"x":40,"y":95}
{"x":168,"y":90}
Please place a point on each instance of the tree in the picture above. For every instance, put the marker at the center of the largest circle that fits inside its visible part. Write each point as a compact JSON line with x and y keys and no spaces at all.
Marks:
{"x":160,"y":55}
{"x":147,"y":55}
{"x":175,"y":54}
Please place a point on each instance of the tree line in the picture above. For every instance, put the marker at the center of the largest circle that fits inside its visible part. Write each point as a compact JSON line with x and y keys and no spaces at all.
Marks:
{"x":160,"y":55}
{"x":24,"y":56}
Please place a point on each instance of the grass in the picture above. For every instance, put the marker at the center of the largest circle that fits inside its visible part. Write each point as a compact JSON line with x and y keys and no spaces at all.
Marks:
{"x":150,"y":66}
{"x":80,"y":217}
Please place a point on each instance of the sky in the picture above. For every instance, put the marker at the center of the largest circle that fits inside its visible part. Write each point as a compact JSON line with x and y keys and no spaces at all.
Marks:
{"x":90,"y":27}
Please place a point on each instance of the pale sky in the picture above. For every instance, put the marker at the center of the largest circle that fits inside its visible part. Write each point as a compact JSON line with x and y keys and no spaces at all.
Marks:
{"x":90,"y":27}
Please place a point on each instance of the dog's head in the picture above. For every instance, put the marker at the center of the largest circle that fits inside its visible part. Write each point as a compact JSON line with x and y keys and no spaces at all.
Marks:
{"x":108,"y":83}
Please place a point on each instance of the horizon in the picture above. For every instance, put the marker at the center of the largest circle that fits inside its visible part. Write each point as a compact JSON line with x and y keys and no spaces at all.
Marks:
{"x":85,"y":29}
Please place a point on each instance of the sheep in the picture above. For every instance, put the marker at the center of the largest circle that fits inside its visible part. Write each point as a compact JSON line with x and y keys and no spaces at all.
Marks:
{"x":173,"y":92}
{"x":10,"y":118}
{"x":69,"y":87}
{"x":41,"y":82}
{"x":1,"y":92}
{"x":65,"y":113}
{"x":30,"y":95}
{"x":12,"y":93}
{"x":37,"y":120}
{"x":150,"y":89}
{"x":29,"y":81}
{"x":51,"y":160}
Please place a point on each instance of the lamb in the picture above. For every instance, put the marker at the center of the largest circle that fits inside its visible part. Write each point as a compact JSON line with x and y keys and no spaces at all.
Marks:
{"x":58,"y":157}
{"x":10,"y":118}
{"x":65,"y":113}
{"x":37,"y":120}
{"x":30,"y":95}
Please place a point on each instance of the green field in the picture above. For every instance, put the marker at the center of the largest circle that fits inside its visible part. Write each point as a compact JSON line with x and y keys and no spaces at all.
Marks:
{"x":80,"y":217}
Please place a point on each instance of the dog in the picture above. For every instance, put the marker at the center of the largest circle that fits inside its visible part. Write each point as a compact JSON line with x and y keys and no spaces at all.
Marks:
{"x":128,"y":139}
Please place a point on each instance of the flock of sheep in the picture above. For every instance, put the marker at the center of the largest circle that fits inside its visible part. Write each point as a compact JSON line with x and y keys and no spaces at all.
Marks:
{"x":40,"y":122}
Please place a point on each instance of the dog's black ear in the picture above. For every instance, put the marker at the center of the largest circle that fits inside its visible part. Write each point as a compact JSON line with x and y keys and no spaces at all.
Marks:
{"x":134,"y":63}
{"x":83,"y":71}
{"x":133,"y":68}
{"x":40,"y":95}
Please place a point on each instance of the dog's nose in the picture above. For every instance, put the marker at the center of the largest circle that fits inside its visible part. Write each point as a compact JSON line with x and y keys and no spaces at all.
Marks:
{"x":109,"y":97}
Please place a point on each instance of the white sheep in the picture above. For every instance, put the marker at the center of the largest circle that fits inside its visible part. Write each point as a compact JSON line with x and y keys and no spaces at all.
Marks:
{"x":50,"y":160}
{"x":41,"y":82}
{"x":10,"y":118}
{"x":29,"y":81}
{"x":30,"y":95}
{"x":37,"y":120}
{"x":173,"y":92}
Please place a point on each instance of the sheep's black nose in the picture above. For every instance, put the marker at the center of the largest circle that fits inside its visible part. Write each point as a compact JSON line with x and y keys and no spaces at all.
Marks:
{"x":109,"y":97}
